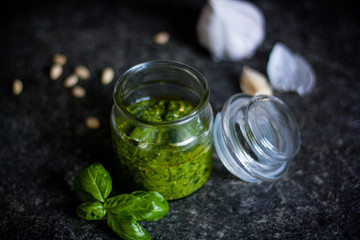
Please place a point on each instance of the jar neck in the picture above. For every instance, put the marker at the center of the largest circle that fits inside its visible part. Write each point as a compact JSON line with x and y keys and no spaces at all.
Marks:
{"x":157,"y":79}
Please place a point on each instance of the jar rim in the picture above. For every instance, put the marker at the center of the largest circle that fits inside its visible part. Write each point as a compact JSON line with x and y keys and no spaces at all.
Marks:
{"x":139,"y":67}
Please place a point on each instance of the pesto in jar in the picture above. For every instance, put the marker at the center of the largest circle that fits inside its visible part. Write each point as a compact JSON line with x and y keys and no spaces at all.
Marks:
{"x":173,"y":160}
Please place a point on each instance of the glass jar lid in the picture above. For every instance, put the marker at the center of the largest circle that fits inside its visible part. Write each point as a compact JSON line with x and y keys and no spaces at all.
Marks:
{"x":256,"y":137}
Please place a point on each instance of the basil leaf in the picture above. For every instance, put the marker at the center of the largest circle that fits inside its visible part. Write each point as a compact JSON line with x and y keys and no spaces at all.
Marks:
{"x":91,"y":211}
{"x":121,"y":203}
{"x":126,"y":227}
{"x":93,"y":183}
{"x":151,"y":207}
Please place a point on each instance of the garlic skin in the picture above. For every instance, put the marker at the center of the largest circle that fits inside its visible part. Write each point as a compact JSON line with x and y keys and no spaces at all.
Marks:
{"x":253,"y":82}
{"x":288,"y":71}
{"x":231,"y":30}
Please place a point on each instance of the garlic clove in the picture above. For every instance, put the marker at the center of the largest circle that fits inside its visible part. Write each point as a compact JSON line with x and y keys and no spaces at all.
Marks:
{"x":253,"y":82}
{"x":288,"y":71}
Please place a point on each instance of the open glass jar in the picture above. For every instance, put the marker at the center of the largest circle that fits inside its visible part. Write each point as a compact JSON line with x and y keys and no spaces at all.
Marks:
{"x":170,"y":151}
{"x":162,"y":128}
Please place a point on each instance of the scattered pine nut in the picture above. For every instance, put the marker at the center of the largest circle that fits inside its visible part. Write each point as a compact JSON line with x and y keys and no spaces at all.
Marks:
{"x":59,"y":58}
{"x":162,"y":38}
{"x":55,"y":71}
{"x":17,"y":87}
{"x":92,"y":123}
{"x":71,"y":80}
{"x":107,"y":75}
{"x":78,"y":92}
{"x":82,"y":72}
{"x":254,"y":83}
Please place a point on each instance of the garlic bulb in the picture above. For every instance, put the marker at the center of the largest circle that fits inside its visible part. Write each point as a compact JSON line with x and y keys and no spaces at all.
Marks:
{"x":288,"y":71}
{"x":231,"y":30}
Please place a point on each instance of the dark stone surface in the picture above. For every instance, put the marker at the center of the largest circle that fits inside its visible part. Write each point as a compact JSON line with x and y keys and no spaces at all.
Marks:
{"x":44,"y":142}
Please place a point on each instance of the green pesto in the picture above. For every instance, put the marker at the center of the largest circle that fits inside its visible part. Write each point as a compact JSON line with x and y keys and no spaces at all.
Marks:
{"x":160,"y":109}
{"x":151,"y":158}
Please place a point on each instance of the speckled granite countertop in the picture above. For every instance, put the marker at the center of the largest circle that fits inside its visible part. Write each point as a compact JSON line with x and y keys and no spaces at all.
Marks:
{"x":44,"y":142}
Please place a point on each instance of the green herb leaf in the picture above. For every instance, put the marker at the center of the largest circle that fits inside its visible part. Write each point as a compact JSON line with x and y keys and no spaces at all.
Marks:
{"x":151,"y":207}
{"x":91,"y":211}
{"x":121,"y":203}
{"x":126,"y":227}
{"x":93,"y":183}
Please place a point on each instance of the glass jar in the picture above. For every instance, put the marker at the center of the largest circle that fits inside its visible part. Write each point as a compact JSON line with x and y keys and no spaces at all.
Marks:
{"x":256,"y":137}
{"x":172,"y":157}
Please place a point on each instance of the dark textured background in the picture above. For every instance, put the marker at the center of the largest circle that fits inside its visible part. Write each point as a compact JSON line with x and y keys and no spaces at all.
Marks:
{"x":44,"y":142}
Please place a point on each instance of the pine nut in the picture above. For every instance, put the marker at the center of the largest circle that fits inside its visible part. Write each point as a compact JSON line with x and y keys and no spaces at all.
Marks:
{"x":55,"y":71}
{"x":82,"y":72}
{"x":162,"y":38}
{"x":59,"y":59}
{"x":107,"y":76}
{"x":71,"y":80}
{"x":17,"y":87}
{"x":78,"y":92}
{"x":92,"y":123}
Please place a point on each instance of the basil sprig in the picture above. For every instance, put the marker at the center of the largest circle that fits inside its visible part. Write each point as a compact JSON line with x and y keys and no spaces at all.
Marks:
{"x":93,"y":185}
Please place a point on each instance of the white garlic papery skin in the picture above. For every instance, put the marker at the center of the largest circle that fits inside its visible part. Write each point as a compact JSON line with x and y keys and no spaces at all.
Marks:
{"x":231,"y":30}
{"x":288,"y":71}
